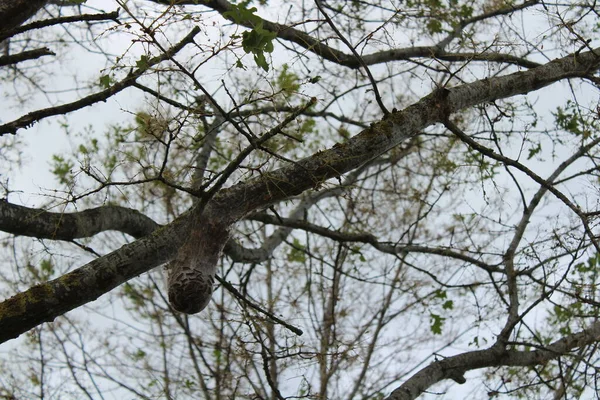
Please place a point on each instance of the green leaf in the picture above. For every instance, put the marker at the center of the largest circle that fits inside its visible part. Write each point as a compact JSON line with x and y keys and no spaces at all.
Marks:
{"x":62,"y":169}
{"x":46,"y":268}
{"x":240,"y":14}
{"x":287,"y":81}
{"x":258,"y":41}
{"x":434,"y":26}
{"x":436,"y":323}
{"x":448,"y":305}
{"x":297,"y":253}
{"x":105,"y":81}
{"x":142,"y":63}
{"x":534,"y":151}
{"x":261,"y":61}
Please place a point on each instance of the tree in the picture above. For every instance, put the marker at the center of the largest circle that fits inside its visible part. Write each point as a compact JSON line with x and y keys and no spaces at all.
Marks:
{"x":387,"y":196}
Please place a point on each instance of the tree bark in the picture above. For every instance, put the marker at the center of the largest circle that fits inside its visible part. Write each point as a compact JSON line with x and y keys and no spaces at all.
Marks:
{"x":14,"y":12}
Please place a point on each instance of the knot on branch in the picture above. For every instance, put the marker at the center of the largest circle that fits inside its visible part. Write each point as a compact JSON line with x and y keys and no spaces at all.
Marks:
{"x":452,"y":372}
{"x":191,"y":274}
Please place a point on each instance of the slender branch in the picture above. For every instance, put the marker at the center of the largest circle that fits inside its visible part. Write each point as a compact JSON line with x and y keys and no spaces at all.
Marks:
{"x":356,"y":55}
{"x":35,"y":116}
{"x":256,"y":143}
{"x":545,"y":183}
{"x":348,"y":60}
{"x":367,"y":238}
{"x":212,"y":130}
{"x":236,"y":293}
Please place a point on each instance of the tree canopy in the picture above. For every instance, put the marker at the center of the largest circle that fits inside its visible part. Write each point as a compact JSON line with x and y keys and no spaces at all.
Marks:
{"x":323,"y":200}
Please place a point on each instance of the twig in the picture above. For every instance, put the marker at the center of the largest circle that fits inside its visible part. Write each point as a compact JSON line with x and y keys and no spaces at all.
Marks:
{"x":258,"y":308}
{"x":37,"y":115}
{"x":356,"y":55}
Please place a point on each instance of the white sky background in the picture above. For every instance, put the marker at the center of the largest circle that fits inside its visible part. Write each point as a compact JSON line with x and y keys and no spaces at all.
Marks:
{"x":34,"y":181}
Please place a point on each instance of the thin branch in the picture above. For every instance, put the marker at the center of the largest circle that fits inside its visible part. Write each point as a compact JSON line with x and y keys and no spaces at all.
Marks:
{"x":315,"y":46}
{"x":367,"y":238}
{"x":356,"y":55}
{"x":35,"y":116}
{"x":236,"y":293}
{"x":255,"y":144}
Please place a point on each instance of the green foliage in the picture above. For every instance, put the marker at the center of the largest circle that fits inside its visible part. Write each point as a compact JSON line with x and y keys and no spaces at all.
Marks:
{"x":572,"y":118}
{"x":287,"y":81}
{"x":533,"y":151}
{"x":569,"y":119}
{"x":297,"y":252}
{"x":139,"y":355}
{"x":440,"y":15}
{"x":133,"y":294}
{"x":105,"y":81}
{"x":62,"y":169}
{"x":436,"y":323}
{"x":257,"y":41}
{"x":580,"y":304}
{"x":142,"y":63}
{"x":42,"y":272}
{"x":46,"y":268}
{"x":240,"y":13}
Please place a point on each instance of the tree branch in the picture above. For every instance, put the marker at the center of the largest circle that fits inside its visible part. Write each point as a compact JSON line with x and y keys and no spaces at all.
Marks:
{"x":397,"y":127}
{"x":60,"y":20}
{"x":35,"y":116}
{"x":14,"y":12}
{"x":349,"y":60}
{"x":26,"y":55}
{"x":455,"y":367}
{"x":20,"y":220}
{"x":47,"y":301}
{"x":367,"y":238}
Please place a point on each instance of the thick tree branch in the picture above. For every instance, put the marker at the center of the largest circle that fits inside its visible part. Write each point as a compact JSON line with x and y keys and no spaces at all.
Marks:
{"x":49,"y":300}
{"x":46,"y":301}
{"x":455,"y":367}
{"x":20,"y":220}
{"x":380,"y":137}
{"x":14,"y":12}
{"x":60,"y":20}
{"x":26,"y":55}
